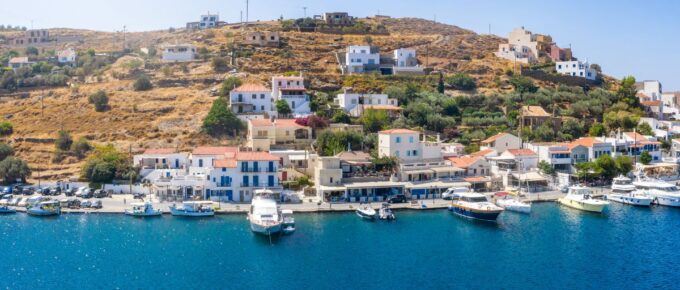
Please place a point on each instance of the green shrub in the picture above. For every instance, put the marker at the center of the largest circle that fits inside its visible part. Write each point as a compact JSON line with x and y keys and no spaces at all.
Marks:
{"x":100,"y":101}
{"x":142,"y":84}
{"x":6,"y":128}
{"x":461,"y":81}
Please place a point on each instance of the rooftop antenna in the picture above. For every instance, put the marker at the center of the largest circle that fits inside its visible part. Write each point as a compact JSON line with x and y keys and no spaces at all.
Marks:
{"x":304,"y":8}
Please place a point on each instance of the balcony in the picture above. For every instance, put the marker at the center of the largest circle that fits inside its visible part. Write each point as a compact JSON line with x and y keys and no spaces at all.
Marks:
{"x":251,"y":169}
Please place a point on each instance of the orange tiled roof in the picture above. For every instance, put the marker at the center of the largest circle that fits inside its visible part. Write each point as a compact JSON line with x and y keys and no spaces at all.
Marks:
{"x":260,"y":122}
{"x":483,"y":152}
{"x":476,"y":179}
{"x":251,"y":87}
{"x":651,"y":103}
{"x":398,"y":131}
{"x":160,"y":151}
{"x":584,"y":141}
{"x":256,"y":156}
{"x":287,"y":123}
{"x":534,"y":111}
{"x":464,"y":161}
{"x":493,"y":138}
{"x":224,"y":163}
{"x":521,"y":152}
{"x":221,"y":150}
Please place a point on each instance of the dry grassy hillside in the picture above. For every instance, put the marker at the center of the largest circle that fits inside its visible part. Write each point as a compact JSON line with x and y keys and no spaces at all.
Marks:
{"x":170,"y":115}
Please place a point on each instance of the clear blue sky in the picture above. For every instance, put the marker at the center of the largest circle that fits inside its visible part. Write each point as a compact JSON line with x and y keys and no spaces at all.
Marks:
{"x":637,"y":38}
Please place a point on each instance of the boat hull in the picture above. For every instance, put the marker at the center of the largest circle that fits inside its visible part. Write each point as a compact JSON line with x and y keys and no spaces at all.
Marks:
{"x":365,"y":216}
{"x":483,"y":215}
{"x":143,"y":214}
{"x":667,"y":200}
{"x":265,"y":229}
{"x":38,"y":212}
{"x":7,"y":210}
{"x":632,"y":200}
{"x":179,"y":212}
{"x":590,"y":207}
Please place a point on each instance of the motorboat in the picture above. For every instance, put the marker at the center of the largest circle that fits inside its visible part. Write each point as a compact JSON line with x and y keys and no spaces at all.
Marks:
{"x":386,"y":213}
{"x":475,"y":206}
{"x":581,"y":197}
{"x":288,"y":224}
{"x":45,"y":208}
{"x":512,"y":204}
{"x":366,"y":212}
{"x":661,"y":192}
{"x":4,"y":208}
{"x":623,"y":191}
{"x":264,"y":215}
{"x":622,"y":184}
{"x":193,"y":209}
{"x":143,"y":209}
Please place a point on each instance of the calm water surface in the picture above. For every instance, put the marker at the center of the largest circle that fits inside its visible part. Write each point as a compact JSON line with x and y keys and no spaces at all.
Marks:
{"x":554,"y":247}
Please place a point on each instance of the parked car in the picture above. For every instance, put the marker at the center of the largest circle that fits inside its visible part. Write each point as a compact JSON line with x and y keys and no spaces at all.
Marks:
{"x":399,"y":198}
{"x":7,"y":189}
{"x":85,"y":204}
{"x":28,"y":190}
{"x":96,"y":204}
{"x":74,"y":203}
{"x":100,"y":193}
{"x":85,"y":193}
{"x":44,"y":191}
{"x":6,"y":196}
{"x":70,"y":192}
{"x":55,"y":190}
{"x":139,"y":196}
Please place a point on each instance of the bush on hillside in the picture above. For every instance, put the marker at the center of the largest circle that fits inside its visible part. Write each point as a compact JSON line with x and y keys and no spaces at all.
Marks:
{"x":100,"y":101}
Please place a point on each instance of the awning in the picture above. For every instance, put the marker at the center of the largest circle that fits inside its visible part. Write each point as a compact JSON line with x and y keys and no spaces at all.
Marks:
{"x":332,"y":188}
{"x":297,"y":157}
{"x":529,"y":176}
{"x":438,"y":184}
{"x":447,"y":169}
{"x":418,"y":171}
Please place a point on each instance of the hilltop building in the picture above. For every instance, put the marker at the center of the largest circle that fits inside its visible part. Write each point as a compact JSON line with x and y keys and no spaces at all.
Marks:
{"x":355,"y":104}
{"x":292,"y":90}
{"x":67,"y":56}
{"x":367,"y":59}
{"x":262,"y":38}
{"x":576,"y":68}
{"x":251,"y":100}
{"x":178,"y":52}
{"x":33,"y":37}
{"x":206,"y":21}
{"x":337,"y":19}
{"x":523,"y":46}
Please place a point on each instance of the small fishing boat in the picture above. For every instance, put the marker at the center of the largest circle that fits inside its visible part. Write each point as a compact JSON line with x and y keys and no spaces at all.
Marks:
{"x":45,"y":208}
{"x":288,"y":225}
{"x":512,"y":204}
{"x":264,"y":215}
{"x":193,"y":209}
{"x":4,"y":208}
{"x":143,"y":209}
{"x":386,"y":213}
{"x":475,"y":206}
{"x":366,"y":212}
{"x":581,"y":197}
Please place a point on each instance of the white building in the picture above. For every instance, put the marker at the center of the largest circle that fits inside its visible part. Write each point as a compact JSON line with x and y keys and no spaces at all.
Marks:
{"x":361,"y":58}
{"x":501,"y":142}
{"x":206,"y":21}
{"x":406,"y":145}
{"x":251,"y":98}
{"x":405,"y":62}
{"x":19,"y":62}
{"x":355,"y":104}
{"x":178,"y":52}
{"x":66,"y":56}
{"x":292,"y":90}
{"x":651,"y":88}
{"x":521,"y":47}
{"x":576,"y":68}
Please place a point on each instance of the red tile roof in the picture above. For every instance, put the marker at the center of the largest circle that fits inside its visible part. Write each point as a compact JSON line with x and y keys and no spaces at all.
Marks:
{"x":521,"y":152}
{"x":256,"y":156}
{"x":493,"y":138}
{"x":287,"y":123}
{"x":584,"y":141}
{"x":482,"y":152}
{"x":160,"y":151}
{"x":224,"y":163}
{"x":464,"y":161}
{"x":251,"y":87}
{"x":260,"y":122}
{"x":651,"y":103}
{"x":398,"y":131}
{"x":222,"y":150}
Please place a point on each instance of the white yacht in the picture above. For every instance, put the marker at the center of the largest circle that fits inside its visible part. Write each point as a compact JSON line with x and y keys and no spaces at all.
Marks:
{"x":581,"y":197}
{"x":366,"y":212}
{"x":662,"y":193}
{"x":45,"y":208}
{"x":475,"y":206}
{"x":143,"y":209}
{"x":193,"y":209}
{"x":264,"y":215}
{"x":623,"y":192}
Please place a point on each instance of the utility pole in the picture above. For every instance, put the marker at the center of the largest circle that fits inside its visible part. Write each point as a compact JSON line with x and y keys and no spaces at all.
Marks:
{"x":304,"y":8}
{"x":124,"y":38}
{"x":247,"y":4}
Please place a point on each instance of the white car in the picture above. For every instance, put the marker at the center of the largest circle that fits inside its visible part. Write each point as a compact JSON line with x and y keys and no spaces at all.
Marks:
{"x":85,"y":204}
{"x":453,"y":191}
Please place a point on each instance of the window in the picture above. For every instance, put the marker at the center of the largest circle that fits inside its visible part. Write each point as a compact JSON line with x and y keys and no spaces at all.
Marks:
{"x":415,"y":152}
{"x":396,"y":153}
{"x":200,"y":162}
{"x":408,"y":153}
{"x":254,"y":96}
{"x":331,"y":180}
{"x":410,"y":139}
{"x":398,"y":140}
{"x":261,"y":96}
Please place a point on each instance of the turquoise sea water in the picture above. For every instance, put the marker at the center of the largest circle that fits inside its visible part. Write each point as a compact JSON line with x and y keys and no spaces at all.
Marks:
{"x":553,"y":248}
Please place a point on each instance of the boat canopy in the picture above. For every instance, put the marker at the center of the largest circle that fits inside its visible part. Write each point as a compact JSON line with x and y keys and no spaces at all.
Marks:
{"x":287,"y":211}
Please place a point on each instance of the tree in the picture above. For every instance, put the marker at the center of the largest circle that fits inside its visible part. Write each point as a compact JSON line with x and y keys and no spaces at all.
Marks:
{"x":282,"y":108}
{"x":440,"y":84}
{"x":596,"y":129}
{"x":142,"y":84}
{"x":368,"y":39}
{"x":81,"y":147}
{"x":374,"y":120}
{"x":221,"y":120}
{"x":584,"y":170}
{"x":544,"y":133}
{"x":645,"y":158}
{"x":220,"y":64}
{"x":6,"y":128}
{"x":645,"y":129}
{"x":572,"y":128}
{"x":100,"y":101}
{"x":105,"y":164}
{"x":330,"y":143}
{"x":63,"y":141}
{"x":546,"y":168}
{"x":606,"y":165}
{"x":461,"y":81}
{"x":5,"y":151}
{"x":13,"y":169}
{"x":623,"y":164}
{"x":523,"y":84}
{"x":31,"y":50}
{"x":229,"y":84}
{"x":627,"y":91}
{"x":341,"y":117}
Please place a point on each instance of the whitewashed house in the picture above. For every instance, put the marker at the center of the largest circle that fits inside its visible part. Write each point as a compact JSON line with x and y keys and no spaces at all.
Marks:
{"x":355,"y":104}
{"x":522,"y":47}
{"x":67,"y":56}
{"x":501,"y":142}
{"x":405,"y":62}
{"x":361,"y":58}
{"x":251,"y":99}
{"x":178,"y":52}
{"x":206,"y":21}
{"x":576,"y":68}
{"x":292,"y":90}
